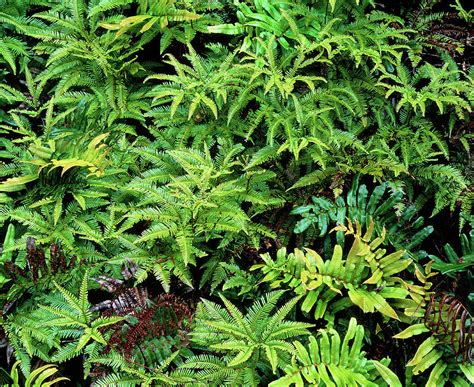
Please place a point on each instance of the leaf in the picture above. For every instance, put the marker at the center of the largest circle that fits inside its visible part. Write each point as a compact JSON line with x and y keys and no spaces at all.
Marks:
{"x":210,"y":104}
{"x":41,"y":374}
{"x":427,"y":361}
{"x":178,"y":98}
{"x":67,"y":164}
{"x":14,"y":184}
{"x":412,"y":330}
{"x":468,"y":371}
{"x":375,"y":278}
{"x":241,"y":357}
{"x":424,"y":349}
{"x":80,"y":200}
{"x":149,"y":24}
{"x":309,"y":301}
{"x":184,"y":242}
{"x":368,"y":301}
{"x":387,"y":374}
{"x":228,"y":29}
{"x":133,"y":20}
{"x":194,"y":104}
{"x":58,"y":208}
{"x":8,"y":244}
{"x":303,"y":225}
{"x":272,"y":357}
{"x":314,"y":177}
{"x":436,"y":374}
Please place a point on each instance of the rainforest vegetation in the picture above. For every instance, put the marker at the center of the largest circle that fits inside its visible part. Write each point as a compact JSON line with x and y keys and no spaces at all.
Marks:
{"x":236,"y":192}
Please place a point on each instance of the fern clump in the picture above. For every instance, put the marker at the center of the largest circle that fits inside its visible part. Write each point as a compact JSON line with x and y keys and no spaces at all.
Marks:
{"x":331,"y":362}
{"x":256,"y":341}
{"x":366,"y":275}
{"x":389,"y":212}
{"x":65,"y":323}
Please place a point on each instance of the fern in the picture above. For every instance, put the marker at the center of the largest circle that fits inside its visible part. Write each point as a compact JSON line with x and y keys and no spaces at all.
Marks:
{"x":447,"y":320}
{"x":390,"y":212}
{"x":331,"y":362}
{"x":231,"y":276}
{"x":202,"y":203}
{"x":254,"y":340}
{"x":445,"y":88}
{"x":80,"y":56}
{"x":10,"y":49}
{"x":454,"y":263}
{"x":203,"y":86}
{"x":67,"y":317}
{"x":129,"y":376}
{"x":366,"y":274}
{"x":38,"y":377}
{"x":171,"y":19}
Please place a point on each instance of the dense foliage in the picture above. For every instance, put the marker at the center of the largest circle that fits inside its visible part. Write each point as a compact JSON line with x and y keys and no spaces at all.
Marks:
{"x":246,"y":192}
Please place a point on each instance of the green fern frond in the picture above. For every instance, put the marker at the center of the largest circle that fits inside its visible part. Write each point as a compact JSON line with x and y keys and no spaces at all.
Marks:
{"x":328,"y":360}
